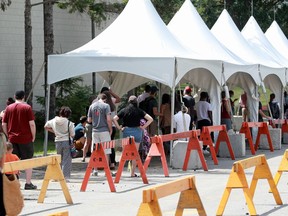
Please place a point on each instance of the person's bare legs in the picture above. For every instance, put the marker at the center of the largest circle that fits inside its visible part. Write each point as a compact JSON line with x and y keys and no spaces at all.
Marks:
{"x":28,"y":173}
{"x":87,"y":145}
{"x":134,"y":162}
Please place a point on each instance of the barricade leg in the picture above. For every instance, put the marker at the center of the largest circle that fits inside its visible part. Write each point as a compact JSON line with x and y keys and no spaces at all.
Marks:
{"x":206,"y":138}
{"x":190,"y":199}
{"x":157,"y":149}
{"x":265,"y":131}
{"x":54,"y":171}
{"x":245,"y":129}
{"x":223,"y":137}
{"x":98,"y":160}
{"x":130,"y":153}
{"x":194,"y":144}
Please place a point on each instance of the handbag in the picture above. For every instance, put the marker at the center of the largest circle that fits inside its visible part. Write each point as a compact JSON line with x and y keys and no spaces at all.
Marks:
{"x":12,"y":196}
{"x":73,"y":150}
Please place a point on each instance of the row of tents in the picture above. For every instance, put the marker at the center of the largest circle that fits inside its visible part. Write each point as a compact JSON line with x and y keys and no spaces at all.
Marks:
{"x":138,"y":47}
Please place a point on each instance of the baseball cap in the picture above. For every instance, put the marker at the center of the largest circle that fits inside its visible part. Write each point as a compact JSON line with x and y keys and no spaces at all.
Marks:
{"x":132,"y":98}
{"x":154,"y":89}
{"x":188,"y":89}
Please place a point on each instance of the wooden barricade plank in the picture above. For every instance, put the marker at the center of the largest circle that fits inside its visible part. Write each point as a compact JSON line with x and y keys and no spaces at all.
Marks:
{"x":157,"y":149}
{"x":130,"y":153}
{"x":98,"y":160}
{"x":189,"y":197}
{"x":283,"y":167}
{"x":237,"y":180}
{"x":53,"y":172}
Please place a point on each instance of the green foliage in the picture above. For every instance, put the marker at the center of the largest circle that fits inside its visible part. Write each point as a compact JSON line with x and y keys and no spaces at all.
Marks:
{"x":68,"y":93}
{"x":96,"y":11}
{"x":4,"y":4}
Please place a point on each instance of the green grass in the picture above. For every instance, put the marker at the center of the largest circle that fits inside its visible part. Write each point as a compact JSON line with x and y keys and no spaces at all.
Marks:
{"x":39,"y":146}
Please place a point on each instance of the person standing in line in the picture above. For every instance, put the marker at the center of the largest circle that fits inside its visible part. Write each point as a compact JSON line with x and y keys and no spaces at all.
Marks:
{"x":88,"y":135}
{"x":99,"y":114}
{"x":131,"y":116}
{"x":261,"y":114}
{"x":152,"y":110}
{"x":2,"y":160}
{"x":244,"y":107}
{"x":165,"y":119}
{"x":225,"y":112}
{"x":204,"y":115}
{"x":19,"y":126}
{"x":189,"y":102}
{"x":145,"y":94}
{"x":62,"y":127}
{"x":274,"y":106}
{"x":181,"y":120}
{"x":110,"y":100}
{"x":232,"y":101}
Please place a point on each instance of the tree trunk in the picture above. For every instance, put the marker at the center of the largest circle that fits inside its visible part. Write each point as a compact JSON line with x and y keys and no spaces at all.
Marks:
{"x":48,"y":49}
{"x":28,"y":53}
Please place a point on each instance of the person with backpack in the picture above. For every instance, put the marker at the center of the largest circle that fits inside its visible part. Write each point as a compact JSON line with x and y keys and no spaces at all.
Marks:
{"x":274,"y":107}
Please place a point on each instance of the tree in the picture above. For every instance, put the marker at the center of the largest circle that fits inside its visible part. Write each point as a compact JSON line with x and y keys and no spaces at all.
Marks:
{"x":4,"y":4}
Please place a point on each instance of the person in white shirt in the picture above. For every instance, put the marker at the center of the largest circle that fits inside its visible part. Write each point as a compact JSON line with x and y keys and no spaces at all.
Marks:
{"x":181,"y":120}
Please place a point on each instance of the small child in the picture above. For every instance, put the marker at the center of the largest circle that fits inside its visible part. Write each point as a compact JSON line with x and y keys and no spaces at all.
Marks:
{"x":9,"y":157}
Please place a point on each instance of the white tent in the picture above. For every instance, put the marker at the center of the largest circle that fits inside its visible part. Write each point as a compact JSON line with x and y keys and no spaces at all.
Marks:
{"x":136,"y":43}
{"x":256,"y":38}
{"x":277,"y":38}
{"x":191,"y":31}
{"x":236,"y":43}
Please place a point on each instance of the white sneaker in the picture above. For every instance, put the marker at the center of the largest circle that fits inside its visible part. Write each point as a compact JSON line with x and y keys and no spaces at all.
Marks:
{"x":206,"y":152}
{"x":95,"y":172}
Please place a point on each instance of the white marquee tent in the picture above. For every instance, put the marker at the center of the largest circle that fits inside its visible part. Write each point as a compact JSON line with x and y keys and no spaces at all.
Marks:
{"x":237,"y":44}
{"x":277,"y":38}
{"x":136,"y":43}
{"x":191,"y":31}
{"x":256,"y":38}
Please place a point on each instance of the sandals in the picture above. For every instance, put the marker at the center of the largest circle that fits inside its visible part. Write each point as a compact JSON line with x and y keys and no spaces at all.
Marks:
{"x":134,"y":176}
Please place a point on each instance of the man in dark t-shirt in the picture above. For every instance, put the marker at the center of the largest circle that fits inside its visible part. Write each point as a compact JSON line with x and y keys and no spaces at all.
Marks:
{"x":189,"y":102}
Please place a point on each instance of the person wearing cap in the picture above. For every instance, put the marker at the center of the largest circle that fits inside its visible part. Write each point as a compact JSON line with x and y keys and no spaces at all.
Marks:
{"x":131,"y":116}
{"x":19,"y":125}
{"x":152,"y":110}
{"x":189,"y":102}
{"x":79,"y":138}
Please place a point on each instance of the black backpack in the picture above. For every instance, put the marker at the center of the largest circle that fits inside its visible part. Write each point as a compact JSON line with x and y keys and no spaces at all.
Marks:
{"x":144,"y":105}
{"x":274,"y":110}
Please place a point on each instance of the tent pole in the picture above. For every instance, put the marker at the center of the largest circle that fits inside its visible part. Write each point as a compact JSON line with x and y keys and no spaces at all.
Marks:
{"x":172,"y":110}
{"x":45,"y":145}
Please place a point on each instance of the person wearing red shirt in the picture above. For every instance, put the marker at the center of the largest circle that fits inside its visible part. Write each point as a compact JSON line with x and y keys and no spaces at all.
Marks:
{"x":19,"y":126}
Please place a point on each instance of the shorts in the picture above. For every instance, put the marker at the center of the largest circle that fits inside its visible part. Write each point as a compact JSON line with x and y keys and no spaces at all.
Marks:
{"x":24,"y":151}
{"x":136,"y":132}
{"x":98,"y":137}
{"x":88,"y":133}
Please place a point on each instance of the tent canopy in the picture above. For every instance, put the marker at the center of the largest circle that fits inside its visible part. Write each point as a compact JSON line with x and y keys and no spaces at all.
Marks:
{"x":136,"y":43}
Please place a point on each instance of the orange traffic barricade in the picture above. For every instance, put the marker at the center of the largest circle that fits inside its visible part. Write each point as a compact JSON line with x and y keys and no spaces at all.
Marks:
{"x":98,"y":160}
{"x":157,"y":149}
{"x":262,"y":129}
{"x":130,"y":153}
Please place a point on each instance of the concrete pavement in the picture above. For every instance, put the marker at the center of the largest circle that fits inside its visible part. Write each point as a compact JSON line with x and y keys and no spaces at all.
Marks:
{"x":98,"y":200}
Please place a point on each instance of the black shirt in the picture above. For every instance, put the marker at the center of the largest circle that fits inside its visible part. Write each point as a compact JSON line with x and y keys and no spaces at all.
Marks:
{"x":131,"y":116}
